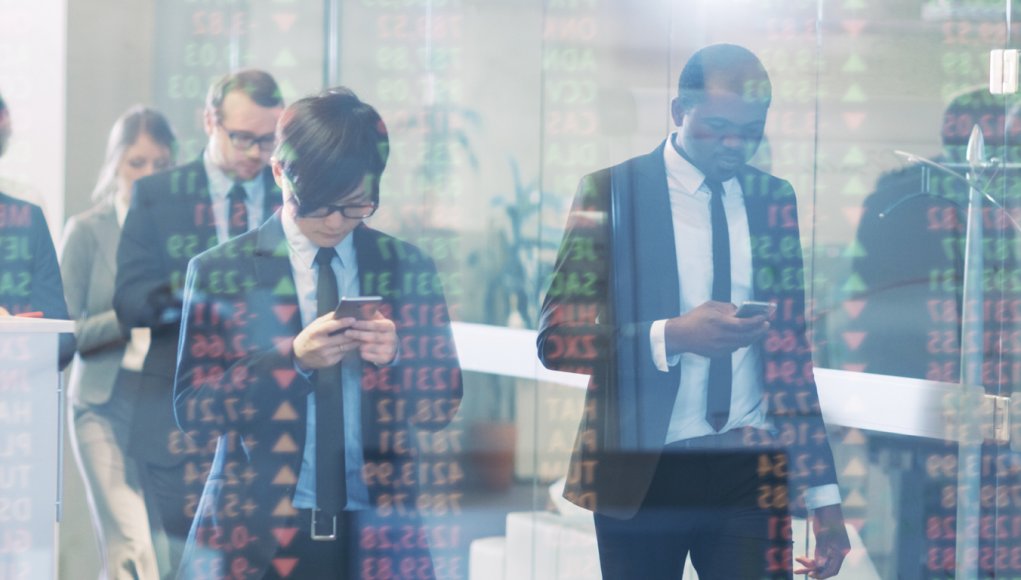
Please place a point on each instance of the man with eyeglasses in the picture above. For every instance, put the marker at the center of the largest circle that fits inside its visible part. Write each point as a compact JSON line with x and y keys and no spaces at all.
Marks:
{"x":338,"y":416}
{"x":174,"y":216}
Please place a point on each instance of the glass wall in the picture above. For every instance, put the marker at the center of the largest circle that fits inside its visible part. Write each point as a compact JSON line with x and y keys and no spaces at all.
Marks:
{"x":496,"y":110}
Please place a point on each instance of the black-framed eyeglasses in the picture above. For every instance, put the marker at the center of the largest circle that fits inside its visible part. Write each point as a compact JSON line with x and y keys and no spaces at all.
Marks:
{"x":355,"y":211}
{"x":243,"y":140}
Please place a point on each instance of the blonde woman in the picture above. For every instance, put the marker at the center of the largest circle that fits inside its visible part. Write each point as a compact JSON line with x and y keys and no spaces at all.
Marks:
{"x":104,"y":377}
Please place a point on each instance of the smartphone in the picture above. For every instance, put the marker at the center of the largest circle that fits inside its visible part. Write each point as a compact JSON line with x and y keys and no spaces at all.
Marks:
{"x":359,"y":308}
{"x":750,"y":308}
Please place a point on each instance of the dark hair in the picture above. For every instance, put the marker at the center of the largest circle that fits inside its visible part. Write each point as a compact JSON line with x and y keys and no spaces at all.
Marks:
{"x":728,"y":65}
{"x":329,"y":144}
{"x":3,"y":105}
{"x":257,"y":84}
{"x":126,"y":130}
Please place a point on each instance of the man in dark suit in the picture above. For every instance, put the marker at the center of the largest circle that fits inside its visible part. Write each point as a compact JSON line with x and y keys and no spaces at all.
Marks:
{"x":174,"y":216}
{"x":317,"y":421}
{"x":702,"y":429}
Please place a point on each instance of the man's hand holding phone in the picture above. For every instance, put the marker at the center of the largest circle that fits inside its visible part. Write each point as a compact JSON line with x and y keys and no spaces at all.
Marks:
{"x":376,"y":334}
{"x":716,"y":328}
{"x":355,"y":324}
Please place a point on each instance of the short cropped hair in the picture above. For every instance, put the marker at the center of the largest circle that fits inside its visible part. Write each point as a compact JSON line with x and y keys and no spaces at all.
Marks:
{"x":126,"y":130}
{"x":728,"y":65}
{"x":329,"y":144}
{"x":257,"y":84}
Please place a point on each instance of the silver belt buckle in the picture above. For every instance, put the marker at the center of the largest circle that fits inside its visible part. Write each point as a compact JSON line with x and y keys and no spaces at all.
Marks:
{"x":323,"y":537}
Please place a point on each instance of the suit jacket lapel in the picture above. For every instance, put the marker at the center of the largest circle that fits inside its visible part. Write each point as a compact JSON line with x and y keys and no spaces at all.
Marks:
{"x":272,"y":198}
{"x":192,"y":183}
{"x":371,"y":264}
{"x":645,"y":261}
{"x":108,"y":233}
{"x":273,"y":275}
{"x":644,"y":288}
{"x":756,"y":200}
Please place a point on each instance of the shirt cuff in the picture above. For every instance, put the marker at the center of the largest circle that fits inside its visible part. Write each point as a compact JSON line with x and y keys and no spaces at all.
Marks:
{"x":397,"y":356}
{"x":822,"y":496}
{"x":657,"y":343}
{"x":301,"y":371}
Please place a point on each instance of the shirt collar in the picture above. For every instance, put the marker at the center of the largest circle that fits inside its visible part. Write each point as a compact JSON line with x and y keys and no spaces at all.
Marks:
{"x":680,"y":171}
{"x":306,"y":251}
{"x":220,"y":185}
{"x":120,"y":208}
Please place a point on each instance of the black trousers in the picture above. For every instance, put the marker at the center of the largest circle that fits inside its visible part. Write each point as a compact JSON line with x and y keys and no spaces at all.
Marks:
{"x":727,"y":508}
{"x":166,"y":500}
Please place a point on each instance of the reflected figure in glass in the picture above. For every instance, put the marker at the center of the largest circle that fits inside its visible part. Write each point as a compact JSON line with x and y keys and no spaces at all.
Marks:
{"x":702,"y":432}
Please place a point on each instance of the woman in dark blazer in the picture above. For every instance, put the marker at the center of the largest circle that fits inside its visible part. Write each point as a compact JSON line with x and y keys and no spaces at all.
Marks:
{"x":104,"y":377}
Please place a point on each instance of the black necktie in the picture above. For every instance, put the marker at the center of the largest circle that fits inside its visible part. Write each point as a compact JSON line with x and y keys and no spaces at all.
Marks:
{"x":237,"y":211}
{"x":720,"y":368}
{"x":331,"y":486}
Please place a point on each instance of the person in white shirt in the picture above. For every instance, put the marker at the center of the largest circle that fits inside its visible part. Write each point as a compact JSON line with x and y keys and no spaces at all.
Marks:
{"x":697,"y":438}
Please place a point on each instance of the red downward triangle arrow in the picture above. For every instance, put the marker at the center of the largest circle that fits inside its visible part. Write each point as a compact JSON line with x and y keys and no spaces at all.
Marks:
{"x":284,"y":20}
{"x":285,"y":312}
{"x":854,"y":339}
{"x":284,"y":566}
{"x":283,"y":344}
{"x":854,"y":120}
{"x":854,"y":308}
{"x":284,"y":377}
{"x":284,"y":535}
{"x":853,"y":27}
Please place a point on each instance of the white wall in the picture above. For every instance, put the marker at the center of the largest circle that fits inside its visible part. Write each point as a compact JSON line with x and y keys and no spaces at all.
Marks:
{"x":33,"y":68}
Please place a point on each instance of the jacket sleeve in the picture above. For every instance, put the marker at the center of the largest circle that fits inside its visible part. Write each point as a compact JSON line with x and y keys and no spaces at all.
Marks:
{"x":94,"y":331}
{"x":426,"y":376}
{"x":142,"y":296}
{"x":574,"y":326}
{"x":47,"y":288}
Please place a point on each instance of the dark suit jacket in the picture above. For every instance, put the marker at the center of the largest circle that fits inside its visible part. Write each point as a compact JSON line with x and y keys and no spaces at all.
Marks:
{"x":29,"y":274}
{"x":616,"y":274}
{"x":237,"y":388}
{"x":170,"y":221}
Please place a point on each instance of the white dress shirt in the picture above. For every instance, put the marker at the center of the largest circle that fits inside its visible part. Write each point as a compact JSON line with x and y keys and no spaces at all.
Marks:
{"x":220,"y":185}
{"x":689,"y":208}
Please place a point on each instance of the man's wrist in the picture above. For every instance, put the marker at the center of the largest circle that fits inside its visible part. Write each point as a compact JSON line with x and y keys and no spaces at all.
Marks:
{"x":307,"y":373}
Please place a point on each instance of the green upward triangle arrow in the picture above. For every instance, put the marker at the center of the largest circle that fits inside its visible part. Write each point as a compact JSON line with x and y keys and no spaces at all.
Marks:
{"x":855,"y":64}
{"x":285,"y":287}
{"x":854,"y":94}
{"x":854,"y":285}
{"x":854,"y":156}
